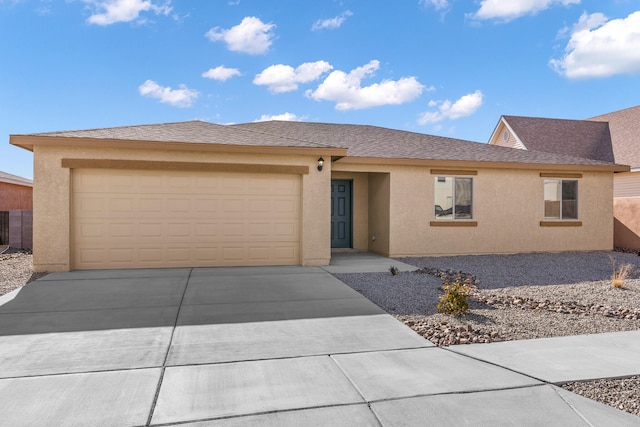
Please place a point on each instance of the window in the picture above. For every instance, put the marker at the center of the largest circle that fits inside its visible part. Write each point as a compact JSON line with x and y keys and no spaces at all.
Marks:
{"x":560,"y":199}
{"x":453,"y":197}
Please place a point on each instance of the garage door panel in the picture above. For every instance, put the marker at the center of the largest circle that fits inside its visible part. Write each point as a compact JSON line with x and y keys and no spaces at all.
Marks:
{"x":172,"y":219}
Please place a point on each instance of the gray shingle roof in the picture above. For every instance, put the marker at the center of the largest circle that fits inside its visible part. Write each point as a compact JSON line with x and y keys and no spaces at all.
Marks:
{"x":362,"y":141}
{"x":625,"y":134}
{"x":579,"y":138}
{"x":195,"y":131}
{"x":15,"y":179}
{"x":377,"y":142}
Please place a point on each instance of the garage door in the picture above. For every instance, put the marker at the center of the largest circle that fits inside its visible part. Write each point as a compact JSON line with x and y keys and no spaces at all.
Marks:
{"x":142,"y":219}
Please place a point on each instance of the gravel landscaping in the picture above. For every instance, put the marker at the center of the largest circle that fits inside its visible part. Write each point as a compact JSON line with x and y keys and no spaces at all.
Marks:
{"x":16,"y":270}
{"x":522,"y":296}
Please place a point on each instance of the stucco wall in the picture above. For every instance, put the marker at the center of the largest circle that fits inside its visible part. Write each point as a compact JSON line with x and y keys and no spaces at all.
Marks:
{"x":15,"y":197}
{"x":626,"y":211}
{"x":508,"y":207}
{"x":51,"y":224}
{"x":380,"y":213}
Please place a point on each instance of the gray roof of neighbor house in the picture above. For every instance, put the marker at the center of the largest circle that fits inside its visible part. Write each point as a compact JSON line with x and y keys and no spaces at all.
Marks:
{"x":356,"y":141}
{"x":376,"y":142}
{"x":624,"y":126}
{"x":579,"y":138}
{"x":15,"y":179}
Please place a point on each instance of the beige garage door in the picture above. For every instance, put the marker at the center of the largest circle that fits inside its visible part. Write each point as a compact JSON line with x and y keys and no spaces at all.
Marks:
{"x":141,"y":219}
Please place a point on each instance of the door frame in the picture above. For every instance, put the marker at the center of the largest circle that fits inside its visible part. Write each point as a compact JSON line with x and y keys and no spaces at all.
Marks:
{"x":350,"y":237}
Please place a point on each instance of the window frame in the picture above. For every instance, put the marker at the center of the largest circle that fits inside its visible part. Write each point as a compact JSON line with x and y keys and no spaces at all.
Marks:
{"x":442,"y":177}
{"x":561,"y":217}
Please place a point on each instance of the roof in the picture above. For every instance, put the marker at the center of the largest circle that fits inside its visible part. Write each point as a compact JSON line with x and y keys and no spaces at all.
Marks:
{"x":195,"y":131}
{"x":624,"y":126}
{"x":15,"y":179}
{"x":367,"y":141}
{"x":579,"y":138}
{"x":361,"y":142}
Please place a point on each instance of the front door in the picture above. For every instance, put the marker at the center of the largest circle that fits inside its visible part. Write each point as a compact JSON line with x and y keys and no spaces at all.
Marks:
{"x":340,"y":213}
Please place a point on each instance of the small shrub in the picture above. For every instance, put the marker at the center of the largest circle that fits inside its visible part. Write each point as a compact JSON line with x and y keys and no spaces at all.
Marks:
{"x":454,"y":299}
{"x":394,"y":270}
{"x":620,"y":274}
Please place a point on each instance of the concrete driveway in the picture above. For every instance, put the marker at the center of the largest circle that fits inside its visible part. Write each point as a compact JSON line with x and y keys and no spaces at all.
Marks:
{"x":246,"y":346}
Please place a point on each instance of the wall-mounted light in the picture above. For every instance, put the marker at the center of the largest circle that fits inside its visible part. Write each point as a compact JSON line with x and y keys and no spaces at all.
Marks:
{"x":320,"y":164}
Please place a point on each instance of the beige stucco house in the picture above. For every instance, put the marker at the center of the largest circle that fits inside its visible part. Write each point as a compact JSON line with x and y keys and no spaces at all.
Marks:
{"x":284,"y":193}
{"x":612,"y":137}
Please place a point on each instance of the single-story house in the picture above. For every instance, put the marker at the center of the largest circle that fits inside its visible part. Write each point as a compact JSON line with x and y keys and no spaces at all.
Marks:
{"x":286,"y":193}
{"x":16,"y":203}
{"x":613,"y":137}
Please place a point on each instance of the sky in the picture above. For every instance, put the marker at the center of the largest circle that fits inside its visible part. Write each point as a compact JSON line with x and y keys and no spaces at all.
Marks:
{"x":440,"y":67}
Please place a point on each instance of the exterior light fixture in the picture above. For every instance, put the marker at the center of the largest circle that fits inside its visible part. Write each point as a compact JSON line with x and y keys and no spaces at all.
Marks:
{"x":320,"y":164}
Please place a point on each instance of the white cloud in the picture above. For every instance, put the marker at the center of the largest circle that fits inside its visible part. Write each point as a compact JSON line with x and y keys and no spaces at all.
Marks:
{"x":331,"y":23}
{"x":507,"y":10}
{"x":465,"y":106}
{"x":437,"y":4}
{"x":601,"y":48}
{"x":285,"y":117}
{"x":221,"y":73}
{"x":347,"y":91}
{"x":182,"y":97}
{"x":250,"y":36}
{"x":109,"y":12}
{"x":284,"y":78}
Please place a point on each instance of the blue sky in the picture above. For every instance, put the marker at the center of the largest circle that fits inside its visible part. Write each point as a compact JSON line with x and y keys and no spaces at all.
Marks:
{"x":443,"y":67}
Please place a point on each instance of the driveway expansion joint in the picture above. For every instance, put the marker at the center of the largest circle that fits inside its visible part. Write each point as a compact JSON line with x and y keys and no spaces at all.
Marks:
{"x":506,"y":368}
{"x":166,"y":356}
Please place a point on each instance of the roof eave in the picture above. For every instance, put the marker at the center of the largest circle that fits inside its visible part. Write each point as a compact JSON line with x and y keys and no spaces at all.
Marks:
{"x":16,"y":182}
{"x":28,"y":142}
{"x":482,"y":164}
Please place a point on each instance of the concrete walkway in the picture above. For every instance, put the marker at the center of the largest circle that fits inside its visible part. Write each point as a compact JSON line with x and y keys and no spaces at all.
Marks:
{"x":272,"y":346}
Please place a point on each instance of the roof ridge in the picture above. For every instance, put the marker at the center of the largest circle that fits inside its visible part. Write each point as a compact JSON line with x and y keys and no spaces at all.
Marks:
{"x":120,"y":127}
{"x":506,"y":116}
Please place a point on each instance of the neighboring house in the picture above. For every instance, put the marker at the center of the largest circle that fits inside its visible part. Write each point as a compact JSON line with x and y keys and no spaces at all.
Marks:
{"x":16,"y":203}
{"x":578,"y":138}
{"x":624,"y":126}
{"x":613,"y":137}
{"x":16,"y":193}
{"x":286,"y":193}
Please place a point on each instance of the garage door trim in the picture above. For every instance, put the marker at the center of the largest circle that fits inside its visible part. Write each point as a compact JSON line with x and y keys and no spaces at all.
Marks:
{"x":182,"y":166}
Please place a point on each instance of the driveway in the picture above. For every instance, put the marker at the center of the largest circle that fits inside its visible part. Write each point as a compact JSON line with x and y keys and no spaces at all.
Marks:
{"x":230,"y":346}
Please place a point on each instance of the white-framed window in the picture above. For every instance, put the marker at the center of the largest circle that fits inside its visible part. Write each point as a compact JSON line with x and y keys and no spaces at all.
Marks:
{"x":453,"y":197}
{"x":560,"y":198}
